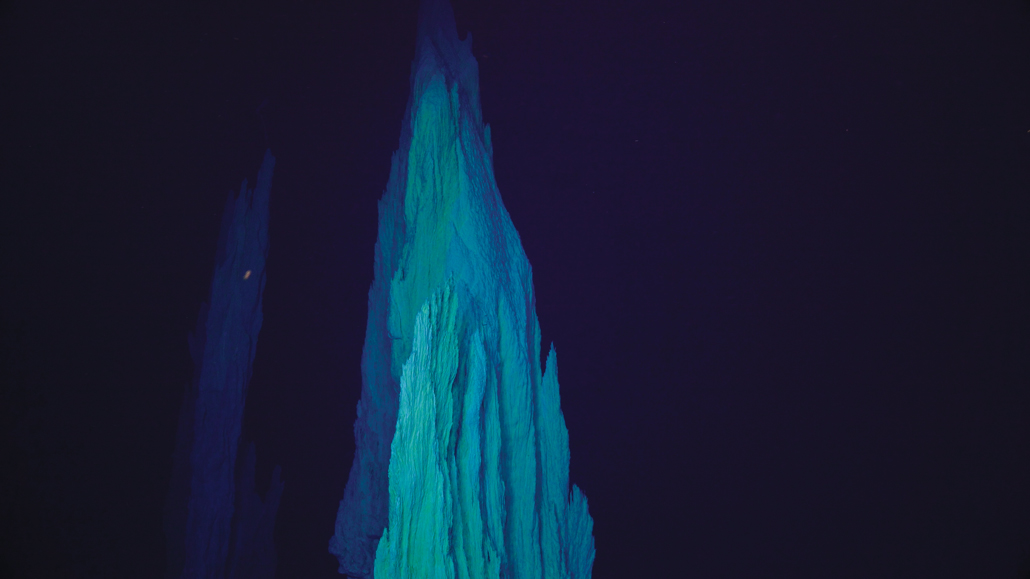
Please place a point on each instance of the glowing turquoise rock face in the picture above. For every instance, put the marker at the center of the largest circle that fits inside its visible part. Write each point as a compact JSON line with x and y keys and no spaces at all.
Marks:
{"x":462,"y":457}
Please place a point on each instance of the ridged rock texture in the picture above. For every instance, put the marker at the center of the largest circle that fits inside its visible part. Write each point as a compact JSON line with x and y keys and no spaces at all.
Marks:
{"x":216,"y":526}
{"x":462,"y":458}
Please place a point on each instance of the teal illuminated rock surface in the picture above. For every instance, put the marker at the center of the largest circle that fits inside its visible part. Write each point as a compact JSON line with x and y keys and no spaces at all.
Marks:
{"x":462,"y":456}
